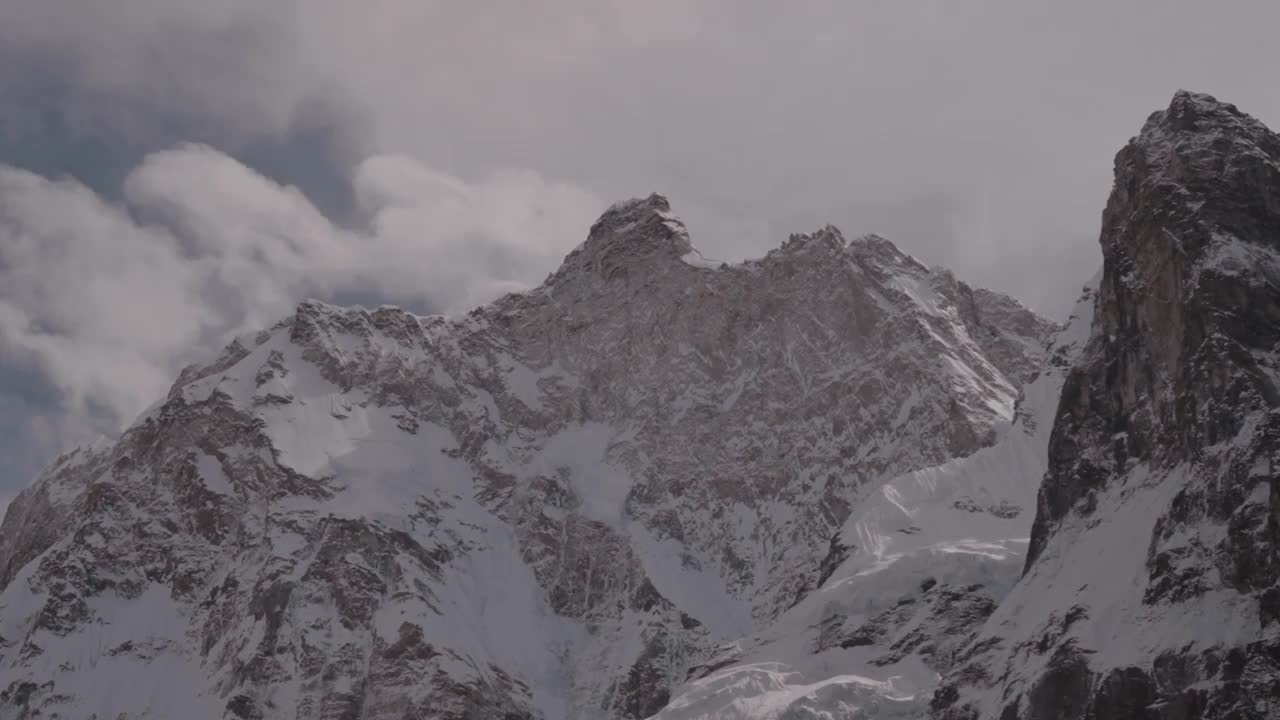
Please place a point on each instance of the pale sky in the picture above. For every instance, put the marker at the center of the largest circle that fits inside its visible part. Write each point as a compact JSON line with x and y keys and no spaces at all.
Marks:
{"x":174,"y":172}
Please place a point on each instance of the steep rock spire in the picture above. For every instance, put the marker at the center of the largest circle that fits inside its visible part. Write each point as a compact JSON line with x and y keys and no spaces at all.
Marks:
{"x":629,"y":236}
{"x":1155,"y":539}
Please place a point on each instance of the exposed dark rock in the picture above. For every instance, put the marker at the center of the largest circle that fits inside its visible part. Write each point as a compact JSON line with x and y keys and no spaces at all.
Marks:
{"x":1167,"y":437}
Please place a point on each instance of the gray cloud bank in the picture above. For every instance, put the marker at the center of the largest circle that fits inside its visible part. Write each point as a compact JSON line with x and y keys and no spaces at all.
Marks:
{"x":176,"y":172}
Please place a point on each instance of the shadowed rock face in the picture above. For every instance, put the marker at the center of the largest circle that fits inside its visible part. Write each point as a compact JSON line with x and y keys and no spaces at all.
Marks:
{"x":553,"y":507}
{"x":1188,"y":317}
{"x":1164,"y":462}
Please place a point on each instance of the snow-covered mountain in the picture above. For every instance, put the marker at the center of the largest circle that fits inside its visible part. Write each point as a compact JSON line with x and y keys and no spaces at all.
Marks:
{"x":558,"y":506}
{"x":807,"y":486}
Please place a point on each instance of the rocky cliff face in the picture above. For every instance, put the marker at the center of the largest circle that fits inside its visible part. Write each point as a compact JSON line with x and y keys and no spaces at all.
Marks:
{"x":562,"y":505}
{"x":1152,"y":584}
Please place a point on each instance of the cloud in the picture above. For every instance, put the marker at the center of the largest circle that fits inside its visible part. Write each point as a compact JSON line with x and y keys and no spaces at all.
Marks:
{"x":976,"y":135}
{"x":104,"y":302}
{"x":97,"y":301}
{"x":471,"y":242}
{"x":34,"y":425}
{"x":134,"y":64}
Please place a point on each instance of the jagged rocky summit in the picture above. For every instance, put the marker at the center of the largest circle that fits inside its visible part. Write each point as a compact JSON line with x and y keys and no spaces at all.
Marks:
{"x":804,"y":487}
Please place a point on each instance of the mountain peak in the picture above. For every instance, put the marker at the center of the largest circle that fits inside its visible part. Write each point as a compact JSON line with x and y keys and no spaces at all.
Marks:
{"x":1187,"y":107}
{"x":626,"y":210}
{"x":631,"y":233}
{"x":1201,"y":131}
{"x":828,"y":236}
{"x":1205,"y":175}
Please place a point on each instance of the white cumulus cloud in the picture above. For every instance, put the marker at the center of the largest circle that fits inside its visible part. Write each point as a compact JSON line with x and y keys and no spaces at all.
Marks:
{"x":105,"y":301}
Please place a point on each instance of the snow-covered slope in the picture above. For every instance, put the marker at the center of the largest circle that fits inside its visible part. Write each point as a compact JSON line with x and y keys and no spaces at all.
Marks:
{"x":1152,"y":587}
{"x":558,"y":506}
{"x":917,"y":567}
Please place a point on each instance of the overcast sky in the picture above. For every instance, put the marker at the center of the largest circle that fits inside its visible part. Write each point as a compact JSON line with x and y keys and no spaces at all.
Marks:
{"x":173,"y":172}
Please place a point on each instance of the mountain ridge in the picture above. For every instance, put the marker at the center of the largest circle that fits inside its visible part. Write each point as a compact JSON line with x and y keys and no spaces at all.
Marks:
{"x":652,"y":447}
